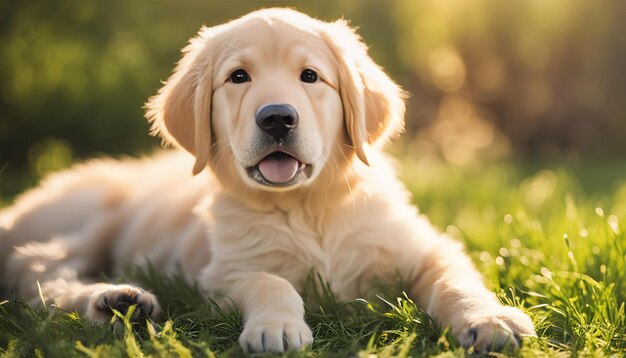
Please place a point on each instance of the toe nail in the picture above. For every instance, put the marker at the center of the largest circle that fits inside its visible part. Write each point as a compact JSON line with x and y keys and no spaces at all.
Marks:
{"x":117,"y":325}
{"x":472,"y":334}
{"x":263,"y":341}
{"x":148,"y":308}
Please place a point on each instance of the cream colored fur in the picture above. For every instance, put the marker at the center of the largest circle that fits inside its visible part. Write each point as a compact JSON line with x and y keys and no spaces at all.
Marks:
{"x":351,"y":219}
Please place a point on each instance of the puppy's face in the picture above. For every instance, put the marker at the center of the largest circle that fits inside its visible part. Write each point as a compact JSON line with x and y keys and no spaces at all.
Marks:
{"x":277,"y":112}
{"x":274,"y":99}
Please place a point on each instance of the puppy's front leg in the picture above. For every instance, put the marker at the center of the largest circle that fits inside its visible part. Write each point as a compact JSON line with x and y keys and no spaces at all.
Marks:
{"x":273,"y":314}
{"x":450,"y":289}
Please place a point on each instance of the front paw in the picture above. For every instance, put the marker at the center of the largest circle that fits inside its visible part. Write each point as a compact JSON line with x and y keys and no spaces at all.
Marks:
{"x":495,"y":330}
{"x":275,"y":333}
{"x":120,"y":298}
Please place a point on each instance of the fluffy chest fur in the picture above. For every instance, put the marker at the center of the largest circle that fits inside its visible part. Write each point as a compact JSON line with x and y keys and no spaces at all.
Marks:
{"x":351,"y":242}
{"x":288,"y":244}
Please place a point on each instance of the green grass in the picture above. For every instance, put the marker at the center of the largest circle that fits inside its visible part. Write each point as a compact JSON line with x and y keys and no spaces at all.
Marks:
{"x":548,"y":239}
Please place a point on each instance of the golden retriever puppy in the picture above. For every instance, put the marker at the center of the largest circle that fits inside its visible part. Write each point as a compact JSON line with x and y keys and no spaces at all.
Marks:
{"x":284,"y":117}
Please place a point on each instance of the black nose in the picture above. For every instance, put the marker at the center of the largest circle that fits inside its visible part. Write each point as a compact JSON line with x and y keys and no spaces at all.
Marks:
{"x":277,"y":120}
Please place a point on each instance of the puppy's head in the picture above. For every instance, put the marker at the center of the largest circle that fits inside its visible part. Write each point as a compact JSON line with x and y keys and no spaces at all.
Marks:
{"x":273,"y":99}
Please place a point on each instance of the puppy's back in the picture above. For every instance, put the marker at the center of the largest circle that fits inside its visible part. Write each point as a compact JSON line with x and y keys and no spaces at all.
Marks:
{"x":66,"y":202}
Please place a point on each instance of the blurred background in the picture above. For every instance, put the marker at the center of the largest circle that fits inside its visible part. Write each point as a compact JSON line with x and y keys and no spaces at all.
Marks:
{"x":523,"y":81}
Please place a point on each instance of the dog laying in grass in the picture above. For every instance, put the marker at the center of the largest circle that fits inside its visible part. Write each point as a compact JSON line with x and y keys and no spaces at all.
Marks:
{"x":281,"y":118}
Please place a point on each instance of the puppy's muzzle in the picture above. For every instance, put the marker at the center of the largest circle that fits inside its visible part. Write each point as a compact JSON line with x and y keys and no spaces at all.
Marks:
{"x":279,"y":165}
{"x":277,"y":120}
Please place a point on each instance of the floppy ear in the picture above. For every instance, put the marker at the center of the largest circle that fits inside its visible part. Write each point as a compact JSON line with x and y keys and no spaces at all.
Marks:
{"x":180,"y":112}
{"x":373,"y":104}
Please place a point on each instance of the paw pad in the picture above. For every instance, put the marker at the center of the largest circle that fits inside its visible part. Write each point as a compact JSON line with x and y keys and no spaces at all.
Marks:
{"x":120,"y":298}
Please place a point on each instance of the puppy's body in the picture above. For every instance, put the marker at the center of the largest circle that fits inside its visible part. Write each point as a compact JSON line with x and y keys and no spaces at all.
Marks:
{"x":278,"y":200}
{"x":107,"y":214}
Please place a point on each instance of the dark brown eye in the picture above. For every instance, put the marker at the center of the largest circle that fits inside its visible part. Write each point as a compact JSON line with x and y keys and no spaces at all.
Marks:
{"x":239,"y":76}
{"x":308,"y":76}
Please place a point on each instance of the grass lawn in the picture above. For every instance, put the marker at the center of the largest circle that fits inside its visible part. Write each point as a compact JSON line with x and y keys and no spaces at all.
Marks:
{"x":549,"y":239}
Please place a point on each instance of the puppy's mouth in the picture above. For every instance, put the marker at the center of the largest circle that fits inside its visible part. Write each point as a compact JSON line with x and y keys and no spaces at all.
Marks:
{"x":279,"y":169}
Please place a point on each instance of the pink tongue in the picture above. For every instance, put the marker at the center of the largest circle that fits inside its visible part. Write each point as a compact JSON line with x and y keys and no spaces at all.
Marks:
{"x":279,"y":170}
